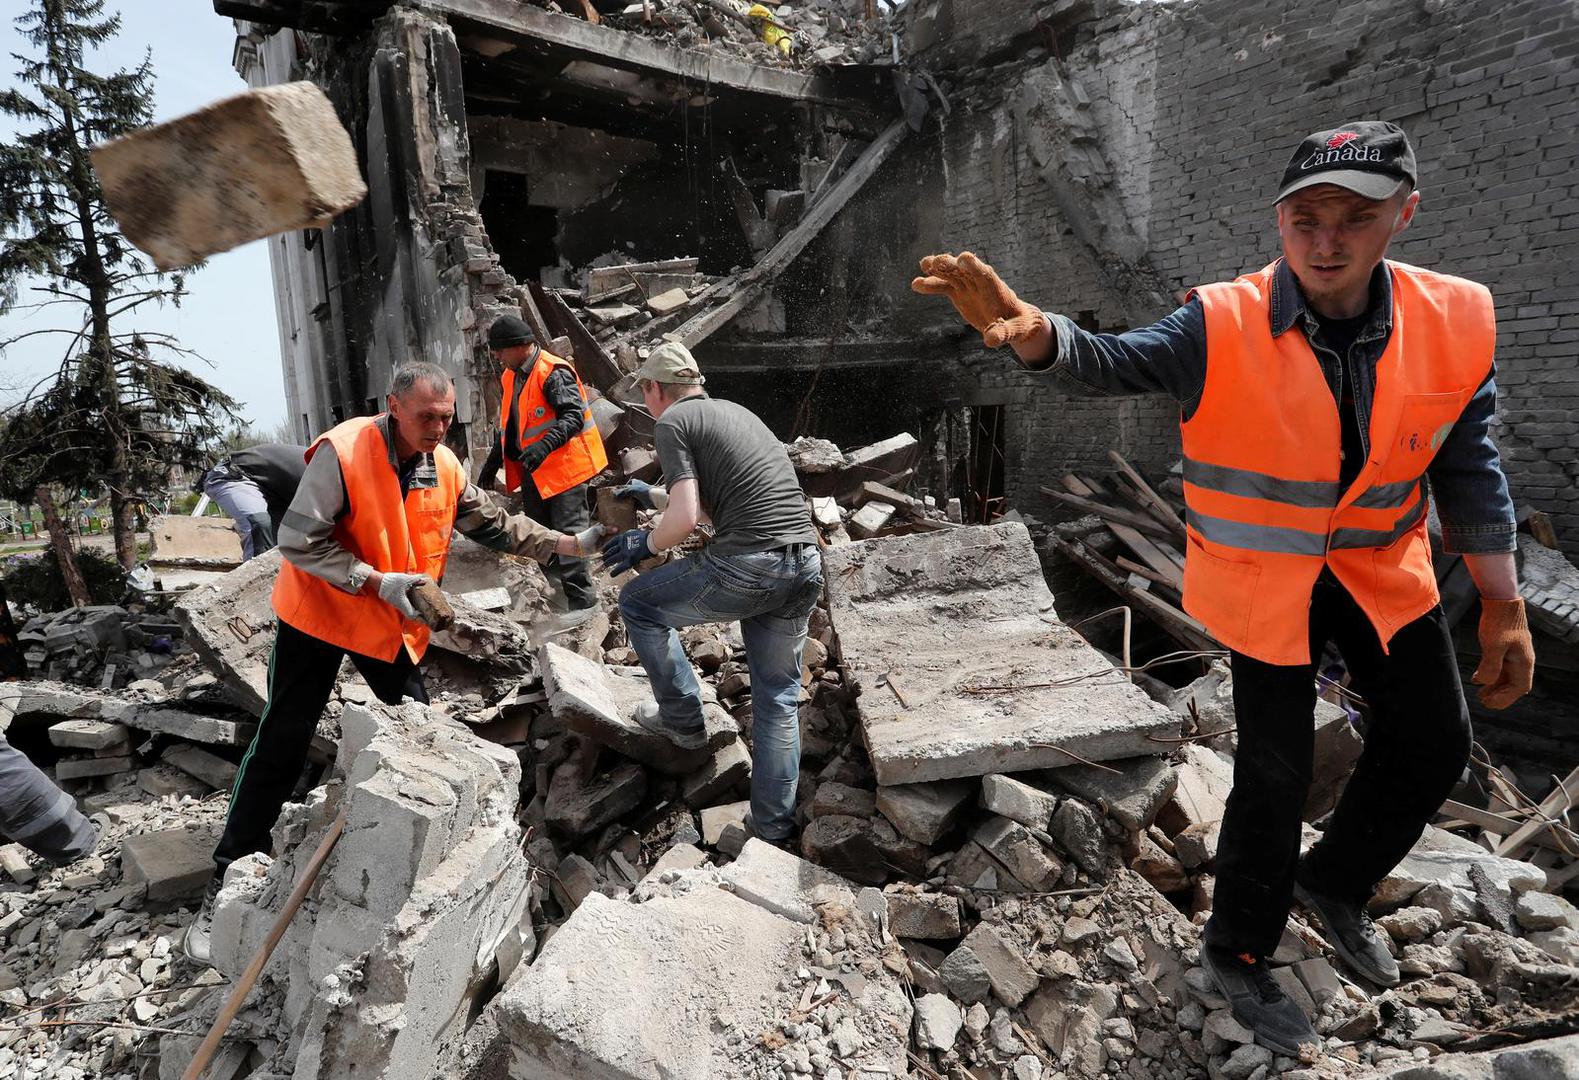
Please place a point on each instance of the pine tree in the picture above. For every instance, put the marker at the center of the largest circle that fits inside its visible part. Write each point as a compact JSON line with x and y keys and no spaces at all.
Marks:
{"x":113,"y":411}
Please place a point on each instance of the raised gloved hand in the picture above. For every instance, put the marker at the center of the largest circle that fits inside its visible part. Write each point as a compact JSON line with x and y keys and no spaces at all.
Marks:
{"x":395,"y":590}
{"x":587,"y":540}
{"x":534,"y":455}
{"x":432,"y":606}
{"x":638,"y":490}
{"x":1507,"y":655}
{"x":626,"y":550}
{"x":981,"y":298}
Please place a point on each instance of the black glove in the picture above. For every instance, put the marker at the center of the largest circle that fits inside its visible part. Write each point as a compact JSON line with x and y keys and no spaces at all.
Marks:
{"x":534,"y":455}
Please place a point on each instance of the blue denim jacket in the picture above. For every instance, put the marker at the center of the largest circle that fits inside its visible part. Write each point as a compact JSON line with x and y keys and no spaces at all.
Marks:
{"x":1169,"y":356}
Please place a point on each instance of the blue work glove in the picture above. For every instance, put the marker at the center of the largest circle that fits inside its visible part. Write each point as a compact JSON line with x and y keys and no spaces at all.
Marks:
{"x":639,"y":490}
{"x":626,"y":550}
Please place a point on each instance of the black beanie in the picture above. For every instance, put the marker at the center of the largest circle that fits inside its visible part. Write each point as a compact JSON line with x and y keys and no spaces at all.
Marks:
{"x":507,"y":330}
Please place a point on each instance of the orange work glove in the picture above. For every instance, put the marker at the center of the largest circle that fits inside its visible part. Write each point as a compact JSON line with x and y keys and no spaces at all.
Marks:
{"x":1507,"y":655}
{"x":981,"y":298}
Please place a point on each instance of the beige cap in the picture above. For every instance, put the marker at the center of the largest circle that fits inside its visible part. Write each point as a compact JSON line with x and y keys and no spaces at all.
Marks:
{"x":673,"y":363}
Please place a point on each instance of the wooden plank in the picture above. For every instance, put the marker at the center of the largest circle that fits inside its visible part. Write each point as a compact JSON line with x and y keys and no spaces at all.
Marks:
{"x":779,"y":257}
{"x":1178,"y":625}
{"x":593,"y":364}
{"x":1160,"y":505}
{"x":1110,"y":514}
{"x":1147,"y":551}
{"x":1496,"y":824}
{"x":1144,"y":571}
{"x":601,"y":279}
{"x":1559,"y":802}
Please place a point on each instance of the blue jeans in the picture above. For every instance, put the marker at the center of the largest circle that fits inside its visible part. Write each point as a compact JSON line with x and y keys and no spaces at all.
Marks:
{"x":771,"y":594}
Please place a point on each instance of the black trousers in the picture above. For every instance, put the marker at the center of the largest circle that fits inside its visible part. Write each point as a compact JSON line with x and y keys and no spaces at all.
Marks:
{"x":568,"y":513}
{"x":1416,"y":744}
{"x":302,"y":670}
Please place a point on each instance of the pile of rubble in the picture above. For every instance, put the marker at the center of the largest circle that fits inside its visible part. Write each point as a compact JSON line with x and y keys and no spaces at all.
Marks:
{"x":816,"y":33}
{"x":104,"y":645}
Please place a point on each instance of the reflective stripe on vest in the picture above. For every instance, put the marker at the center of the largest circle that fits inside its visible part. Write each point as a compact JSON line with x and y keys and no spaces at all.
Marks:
{"x":409,"y":534}
{"x":580,"y":459}
{"x":1262,"y":456}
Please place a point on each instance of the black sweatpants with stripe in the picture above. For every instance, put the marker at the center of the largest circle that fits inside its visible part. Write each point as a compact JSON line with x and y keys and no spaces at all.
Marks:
{"x":302,"y":671}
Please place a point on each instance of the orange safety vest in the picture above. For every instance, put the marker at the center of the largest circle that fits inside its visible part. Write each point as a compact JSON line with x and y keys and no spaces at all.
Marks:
{"x":578,"y":461}
{"x":410,"y":536}
{"x":1261,"y":461}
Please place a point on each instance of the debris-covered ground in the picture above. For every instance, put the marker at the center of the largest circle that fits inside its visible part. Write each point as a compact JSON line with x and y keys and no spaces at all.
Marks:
{"x":1007,"y":849}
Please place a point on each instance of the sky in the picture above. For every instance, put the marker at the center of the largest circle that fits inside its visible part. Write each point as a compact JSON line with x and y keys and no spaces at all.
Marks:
{"x":228,"y":316}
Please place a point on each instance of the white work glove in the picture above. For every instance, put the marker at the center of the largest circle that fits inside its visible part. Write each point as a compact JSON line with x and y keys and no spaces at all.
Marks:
{"x":394,"y":588}
{"x":588,"y":540}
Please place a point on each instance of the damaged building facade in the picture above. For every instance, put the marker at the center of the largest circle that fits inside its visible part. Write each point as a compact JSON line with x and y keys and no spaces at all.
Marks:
{"x":1104,"y":156}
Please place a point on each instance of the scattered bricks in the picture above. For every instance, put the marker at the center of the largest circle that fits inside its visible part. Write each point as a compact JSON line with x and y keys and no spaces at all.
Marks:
{"x":615,"y":513}
{"x":679,"y":857}
{"x":1158,"y":867}
{"x":212,"y":769}
{"x":89,"y":735}
{"x":938,"y":1021}
{"x":573,"y":879}
{"x":579,"y":806}
{"x":79,"y":768}
{"x":715,"y":818}
{"x":924,"y":812}
{"x":872,"y":519}
{"x":267,"y":161}
{"x":13,"y":860}
{"x":1320,"y":979}
{"x":782,"y":882}
{"x":836,"y":798}
{"x":1012,"y":979}
{"x":1132,"y":796}
{"x":1543,"y":911}
{"x":923,"y":915}
{"x":965,"y":975}
{"x":1080,"y":832}
{"x":1196,"y":847}
{"x":723,"y":771}
{"x":1017,"y":801}
{"x":174,"y":864}
{"x":1020,"y":853}
{"x":194,"y":727}
{"x":162,"y":780}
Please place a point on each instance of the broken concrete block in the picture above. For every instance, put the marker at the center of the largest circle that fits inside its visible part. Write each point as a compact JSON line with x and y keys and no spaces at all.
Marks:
{"x":579,"y":806}
{"x":1067,"y":1015}
{"x":726,"y":769}
{"x":230,"y":624}
{"x":938,"y":1021}
{"x":267,"y":161}
{"x":1012,"y":979}
{"x":784,"y":884}
{"x":679,"y":857}
{"x":14,"y":861}
{"x":591,"y":700}
{"x":871,"y":519}
{"x":924,"y":812}
{"x":1200,"y":794}
{"x":1440,"y":856}
{"x":836,"y":798}
{"x":665,"y":302}
{"x":865,"y":850}
{"x":965,"y":975}
{"x":194,"y":727}
{"x":716,"y":818}
{"x":496,"y":599}
{"x":162,"y":780}
{"x":574,"y":879}
{"x":887,"y":599}
{"x":212,"y":769}
{"x":88,"y":734}
{"x":1196,"y":847}
{"x":1544,"y":911}
{"x":1337,"y":749}
{"x":78,"y":768}
{"x":1018,"y":852}
{"x":1017,"y":801}
{"x":923,"y":915}
{"x":1079,"y":831}
{"x":1158,"y":867}
{"x":208,"y":543}
{"x":175,"y":863}
{"x":1131,"y":796}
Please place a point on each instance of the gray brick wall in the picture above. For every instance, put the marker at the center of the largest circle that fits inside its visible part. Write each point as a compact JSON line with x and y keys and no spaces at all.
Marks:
{"x":1199,"y":104}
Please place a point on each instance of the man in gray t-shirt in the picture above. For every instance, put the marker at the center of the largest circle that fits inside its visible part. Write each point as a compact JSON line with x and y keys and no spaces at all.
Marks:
{"x":762,"y":569}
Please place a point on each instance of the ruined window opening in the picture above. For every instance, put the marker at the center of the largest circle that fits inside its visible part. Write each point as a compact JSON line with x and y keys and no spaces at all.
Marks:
{"x":338,"y":413}
{"x":985,"y":467}
{"x":522,"y":235}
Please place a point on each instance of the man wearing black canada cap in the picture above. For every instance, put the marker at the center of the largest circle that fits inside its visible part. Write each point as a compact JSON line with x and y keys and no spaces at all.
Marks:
{"x":1319,"y":397}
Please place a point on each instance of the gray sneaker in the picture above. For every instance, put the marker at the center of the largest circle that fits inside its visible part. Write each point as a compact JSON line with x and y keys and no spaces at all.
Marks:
{"x":1352,"y":936}
{"x":648,"y":716}
{"x":196,"y":942}
{"x":1258,"y":1002}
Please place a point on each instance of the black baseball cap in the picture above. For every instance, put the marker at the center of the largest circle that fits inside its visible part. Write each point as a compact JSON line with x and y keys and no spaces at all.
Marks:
{"x":1369,"y":157}
{"x":508,"y":330}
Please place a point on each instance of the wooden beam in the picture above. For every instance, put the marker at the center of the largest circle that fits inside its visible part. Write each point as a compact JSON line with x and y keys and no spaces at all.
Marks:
{"x":750,"y":285}
{"x":1108,"y":513}
{"x":1180,"y":626}
{"x":1160,"y":505}
{"x":1559,"y":802}
{"x":592,"y":363}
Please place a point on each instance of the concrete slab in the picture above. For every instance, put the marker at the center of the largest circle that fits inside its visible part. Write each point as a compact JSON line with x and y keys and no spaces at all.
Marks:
{"x":783,"y":883}
{"x":79,"y":768}
{"x":212,"y":769}
{"x":263,"y":162}
{"x":230,"y":624}
{"x":1132,"y":796}
{"x":88,"y":734}
{"x":946,"y":613}
{"x":207,"y":543}
{"x":924,"y":812}
{"x":175,"y":863}
{"x":217,"y":730}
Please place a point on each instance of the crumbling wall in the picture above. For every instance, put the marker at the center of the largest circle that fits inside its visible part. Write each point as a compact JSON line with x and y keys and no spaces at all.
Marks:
{"x":1193,"y":108}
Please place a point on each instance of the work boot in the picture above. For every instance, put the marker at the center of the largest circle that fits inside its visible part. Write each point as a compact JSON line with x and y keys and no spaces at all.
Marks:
{"x":196,"y":942}
{"x":649,"y":716}
{"x":1352,"y":936}
{"x":1257,"y":1001}
{"x":783,"y":843}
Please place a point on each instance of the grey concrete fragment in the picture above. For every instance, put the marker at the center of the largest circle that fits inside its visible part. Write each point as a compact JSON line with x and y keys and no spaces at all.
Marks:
{"x":579,"y":806}
{"x":1017,"y":800}
{"x":890,"y":600}
{"x":965,"y":975}
{"x":1543,"y":911}
{"x":924,"y":812}
{"x":1132,"y":796}
{"x":78,"y":768}
{"x":1079,"y":831}
{"x":88,"y":734}
{"x":836,"y":798}
{"x":1548,"y":1059}
{"x":591,"y":700}
{"x":230,"y":623}
{"x":679,"y":857}
{"x":865,"y":850}
{"x":716,"y":818}
{"x":195,"y":727}
{"x":162,"y":780}
{"x":783,"y":883}
{"x":1020,"y":853}
{"x":208,"y":543}
{"x":1440,"y":856}
{"x":267,"y":161}
{"x":175,"y":863}
{"x":725,"y":770}
{"x":923,"y":915}
{"x":1012,"y":979}
{"x":938,"y":1021}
